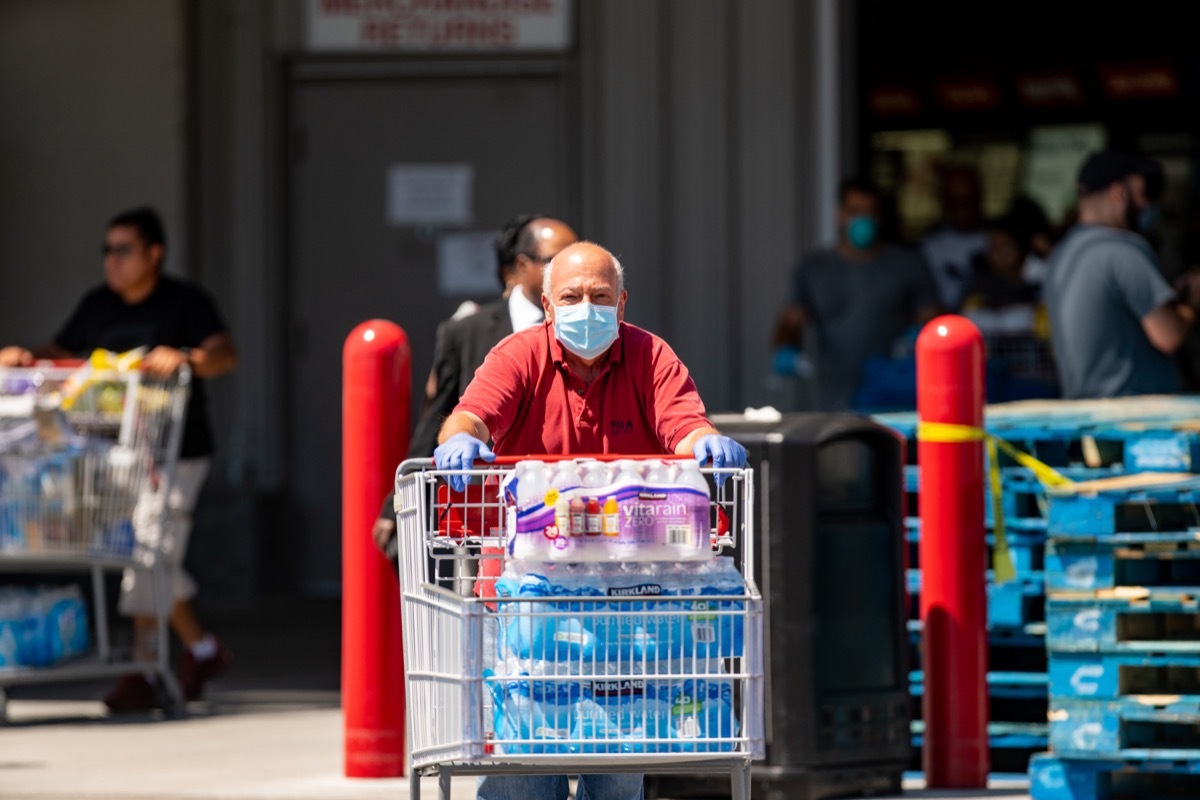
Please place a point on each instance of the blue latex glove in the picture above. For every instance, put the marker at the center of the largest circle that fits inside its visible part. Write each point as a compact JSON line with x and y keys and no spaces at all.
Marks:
{"x":723,"y":451}
{"x":460,"y":452}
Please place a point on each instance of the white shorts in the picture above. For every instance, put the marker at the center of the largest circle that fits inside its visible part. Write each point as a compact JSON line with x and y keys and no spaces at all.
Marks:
{"x":163,"y":539}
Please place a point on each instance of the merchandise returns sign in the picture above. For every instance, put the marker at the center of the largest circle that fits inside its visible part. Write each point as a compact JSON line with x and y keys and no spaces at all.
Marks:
{"x":439,"y":25}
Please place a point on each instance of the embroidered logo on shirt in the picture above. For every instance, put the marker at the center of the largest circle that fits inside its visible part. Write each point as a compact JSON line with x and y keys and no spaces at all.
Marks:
{"x":617,"y":427}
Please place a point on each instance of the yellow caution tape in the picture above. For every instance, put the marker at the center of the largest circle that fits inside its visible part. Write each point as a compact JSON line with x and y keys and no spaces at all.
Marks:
{"x":950,"y":433}
{"x":1002,"y":566}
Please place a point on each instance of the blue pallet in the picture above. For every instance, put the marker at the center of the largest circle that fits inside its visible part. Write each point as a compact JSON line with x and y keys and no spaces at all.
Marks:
{"x":1160,"y":727}
{"x":1119,"y":621}
{"x":1029,"y":635}
{"x":1144,"y":449}
{"x":1001,"y":735}
{"x":1052,"y":777}
{"x":1023,"y":502}
{"x":1031,"y":584}
{"x":1157,"y":561}
{"x":1020,"y":480}
{"x":1147,"y":508}
{"x":1011,"y":604}
{"x":1007,"y":685}
{"x":1108,"y":676}
{"x":1025,"y":548}
{"x":1004,"y":780}
{"x":1033,"y":526}
{"x":1149,"y":441}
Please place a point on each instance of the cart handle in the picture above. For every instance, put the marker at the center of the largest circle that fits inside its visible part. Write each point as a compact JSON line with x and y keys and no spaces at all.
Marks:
{"x":504,"y":461}
{"x":411,"y":465}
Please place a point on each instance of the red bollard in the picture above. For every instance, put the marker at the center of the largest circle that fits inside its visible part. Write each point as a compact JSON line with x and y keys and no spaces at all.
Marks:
{"x":376,"y":393}
{"x":953,"y":553}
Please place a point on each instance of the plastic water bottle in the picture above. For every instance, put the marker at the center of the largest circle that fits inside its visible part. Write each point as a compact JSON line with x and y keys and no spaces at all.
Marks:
{"x":656,"y":472}
{"x":698,"y":506}
{"x":595,"y":475}
{"x":562,"y":515}
{"x":689,"y":475}
{"x":628,"y":472}
{"x":610,"y":524}
{"x":531,"y":484}
{"x":565,"y":477}
{"x":592,"y":517}
{"x":578,"y":516}
{"x":530,"y":478}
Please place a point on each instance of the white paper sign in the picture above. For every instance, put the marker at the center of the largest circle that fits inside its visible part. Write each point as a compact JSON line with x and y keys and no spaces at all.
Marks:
{"x":430,"y":194}
{"x":439,"y":25}
{"x":467,"y":263}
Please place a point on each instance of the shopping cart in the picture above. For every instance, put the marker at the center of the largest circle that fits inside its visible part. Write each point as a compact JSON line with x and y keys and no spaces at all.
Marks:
{"x":85,"y":455}
{"x":574,"y":682}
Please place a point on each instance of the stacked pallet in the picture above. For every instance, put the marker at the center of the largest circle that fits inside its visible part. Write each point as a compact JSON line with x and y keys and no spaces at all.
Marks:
{"x":1084,"y":441}
{"x":1123,"y":637}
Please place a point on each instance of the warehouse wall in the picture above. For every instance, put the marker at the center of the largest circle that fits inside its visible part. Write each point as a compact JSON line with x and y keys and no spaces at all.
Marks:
{"x":95,"y":120}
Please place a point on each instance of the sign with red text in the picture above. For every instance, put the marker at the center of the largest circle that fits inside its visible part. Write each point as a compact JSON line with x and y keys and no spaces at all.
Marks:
{"x":1139,"y":82}
{"x":968,"y":94}
{"x":893,"y":101}
{"x":439,"y":25}
{"x":1050,"y":89}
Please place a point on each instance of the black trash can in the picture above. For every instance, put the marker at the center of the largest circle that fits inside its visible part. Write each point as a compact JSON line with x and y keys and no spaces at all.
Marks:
{"x":831,"y":560}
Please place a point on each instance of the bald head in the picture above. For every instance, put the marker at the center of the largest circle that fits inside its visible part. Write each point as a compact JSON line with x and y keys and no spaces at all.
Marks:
{"x":583,"y":256}
{"x":584,"y":272}
{"x":538,"y":242}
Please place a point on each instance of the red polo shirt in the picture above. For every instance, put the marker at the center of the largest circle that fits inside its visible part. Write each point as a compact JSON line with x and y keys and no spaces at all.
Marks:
{"x":643,"y":402}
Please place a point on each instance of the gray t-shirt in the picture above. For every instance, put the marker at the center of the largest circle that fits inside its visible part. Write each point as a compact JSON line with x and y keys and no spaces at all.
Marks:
{"x":1101,"y":283}
{"x":858,"y":309}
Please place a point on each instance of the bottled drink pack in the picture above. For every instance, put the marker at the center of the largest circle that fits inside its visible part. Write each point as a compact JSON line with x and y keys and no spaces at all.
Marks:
{"x":620,"y":612}
{"x":588,"y":510}
{"x":540,"y":707}
{"x":41,"y":626}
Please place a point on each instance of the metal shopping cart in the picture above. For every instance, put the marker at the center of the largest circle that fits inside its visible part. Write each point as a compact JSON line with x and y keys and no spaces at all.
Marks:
{"x":572,"y":681}
{"x":85,"y":455}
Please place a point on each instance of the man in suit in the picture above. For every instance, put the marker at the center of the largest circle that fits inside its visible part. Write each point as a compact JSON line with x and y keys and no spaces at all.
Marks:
{"x":524,"y":245}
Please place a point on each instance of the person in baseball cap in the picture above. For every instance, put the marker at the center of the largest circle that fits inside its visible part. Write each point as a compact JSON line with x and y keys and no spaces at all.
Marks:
{"x":1122,"y":186}
{"x":1115,"y":321}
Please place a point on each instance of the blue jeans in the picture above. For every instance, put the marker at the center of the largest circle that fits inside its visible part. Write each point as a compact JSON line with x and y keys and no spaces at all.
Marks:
{"x":555,"y":787}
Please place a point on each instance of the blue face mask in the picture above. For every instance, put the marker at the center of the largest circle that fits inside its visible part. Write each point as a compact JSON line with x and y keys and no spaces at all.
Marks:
{"x":861,"y":232}
{"x":585,"y":329}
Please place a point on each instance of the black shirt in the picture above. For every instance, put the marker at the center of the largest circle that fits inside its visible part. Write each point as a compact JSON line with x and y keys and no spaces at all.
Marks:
{"x":176,"y":314}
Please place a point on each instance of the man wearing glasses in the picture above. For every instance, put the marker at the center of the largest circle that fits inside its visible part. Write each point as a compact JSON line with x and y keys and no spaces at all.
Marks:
{"x":177,"y":323}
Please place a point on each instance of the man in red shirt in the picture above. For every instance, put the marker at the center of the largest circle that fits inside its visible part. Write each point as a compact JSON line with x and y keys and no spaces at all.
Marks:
{"x":582,"y":382}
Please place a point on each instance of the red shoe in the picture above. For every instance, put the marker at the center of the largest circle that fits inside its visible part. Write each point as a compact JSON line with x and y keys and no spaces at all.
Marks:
{"x":132,"y":693}
{"x":194,"y":672}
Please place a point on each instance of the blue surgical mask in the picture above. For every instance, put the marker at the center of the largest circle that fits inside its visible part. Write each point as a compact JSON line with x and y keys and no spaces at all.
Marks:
{"x":586,"y":330}
{"x":861,"y":232}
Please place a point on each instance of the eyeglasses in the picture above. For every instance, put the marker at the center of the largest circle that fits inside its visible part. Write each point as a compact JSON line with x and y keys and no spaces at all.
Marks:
{"x":535,"y":257}
{"x":118,"y":250}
